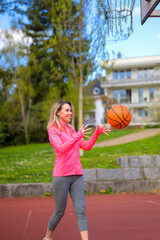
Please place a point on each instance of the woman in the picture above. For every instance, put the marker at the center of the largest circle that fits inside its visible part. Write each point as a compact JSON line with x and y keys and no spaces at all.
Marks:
{"x":67,"y":172}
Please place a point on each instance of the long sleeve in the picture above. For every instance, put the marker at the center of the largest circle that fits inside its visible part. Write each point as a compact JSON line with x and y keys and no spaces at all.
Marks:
{"x":87,"y":145}
{"x":58,"y":145}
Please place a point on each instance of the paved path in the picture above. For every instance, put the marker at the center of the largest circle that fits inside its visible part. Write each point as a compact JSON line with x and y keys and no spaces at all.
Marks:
{"x":129,"y":138}
{"x":110,"y":217}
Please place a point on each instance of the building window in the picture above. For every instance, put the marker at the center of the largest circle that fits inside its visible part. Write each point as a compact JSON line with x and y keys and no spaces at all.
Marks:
{"x":121,"y":75}
{"x":145,"y":113}
{"x":115,"y":75}
{"x":142,"y":113}
{"x":96,"y":90}
{"x":125,"y":96}
{"x":140,"y":95}
{"x":140,"y":73}
{"x":122,"y":96}
{"x":145,"y":72}
{"x":151,"y":94}
{"x":151,"y":72}
{"x":128,"y":73}
{"x":116,"y":95}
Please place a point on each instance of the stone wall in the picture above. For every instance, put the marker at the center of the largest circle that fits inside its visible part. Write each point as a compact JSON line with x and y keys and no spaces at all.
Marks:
{"x":136,"y":173}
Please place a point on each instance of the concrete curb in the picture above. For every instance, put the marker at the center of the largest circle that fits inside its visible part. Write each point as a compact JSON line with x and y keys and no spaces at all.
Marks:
{"x":25,"y":190}
{"x":45,"y":189}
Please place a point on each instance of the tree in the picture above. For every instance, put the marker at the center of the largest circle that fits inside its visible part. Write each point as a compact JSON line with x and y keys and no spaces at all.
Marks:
{"x":59,"y":59}
{"x":5,"y":76}
{"x":71,"y":46}
{"x":13,"y":6}
{"x":38,"y":58}
{"x":40,"y":28}
{"x":16,"y":86}
{"x":79,"y":41}
{"x":47,"y":88}
{"x":37,"y":28}
{"x":23,"y":95}
{"x":15,"y":50}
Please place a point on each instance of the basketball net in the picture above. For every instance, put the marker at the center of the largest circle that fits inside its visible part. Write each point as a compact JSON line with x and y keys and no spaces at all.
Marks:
{"x":116,"y":14}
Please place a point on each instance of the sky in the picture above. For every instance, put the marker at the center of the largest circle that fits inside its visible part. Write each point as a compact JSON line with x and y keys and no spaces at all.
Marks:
{"x":144,"y":41}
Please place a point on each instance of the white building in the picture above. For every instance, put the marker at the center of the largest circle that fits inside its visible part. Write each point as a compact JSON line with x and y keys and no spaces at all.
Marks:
{"x":96,"y":116}
{"x":135,"y":83}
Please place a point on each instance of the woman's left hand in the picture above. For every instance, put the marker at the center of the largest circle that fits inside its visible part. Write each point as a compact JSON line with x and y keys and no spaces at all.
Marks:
{"x":105,"y":128}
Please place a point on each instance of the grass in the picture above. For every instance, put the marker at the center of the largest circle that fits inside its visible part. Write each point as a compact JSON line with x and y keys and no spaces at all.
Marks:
{"x":30,"y":163}
{"x":105,"y":157}
{"x":34,"y":162}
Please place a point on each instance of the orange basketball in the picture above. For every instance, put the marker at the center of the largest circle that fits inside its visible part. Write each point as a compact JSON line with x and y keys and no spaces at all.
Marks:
{"x":119,"y":116}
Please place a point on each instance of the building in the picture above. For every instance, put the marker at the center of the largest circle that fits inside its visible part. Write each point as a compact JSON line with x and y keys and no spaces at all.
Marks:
{"x":95,"y":116}
{"x":133,"y":82}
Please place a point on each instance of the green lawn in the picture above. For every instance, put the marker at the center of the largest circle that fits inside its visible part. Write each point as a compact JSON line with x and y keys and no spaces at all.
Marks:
{"x":34,"y":162}
{"x":105,"y":157}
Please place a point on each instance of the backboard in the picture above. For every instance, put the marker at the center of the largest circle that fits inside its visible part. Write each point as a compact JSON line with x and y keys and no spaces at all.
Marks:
{"x":148,"y":9}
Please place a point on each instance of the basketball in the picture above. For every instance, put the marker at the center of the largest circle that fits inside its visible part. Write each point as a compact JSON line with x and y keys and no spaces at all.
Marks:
{"x":119,"y":116}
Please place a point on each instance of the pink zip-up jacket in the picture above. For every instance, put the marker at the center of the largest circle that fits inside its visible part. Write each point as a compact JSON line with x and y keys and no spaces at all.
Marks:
{"x":67,"y":146}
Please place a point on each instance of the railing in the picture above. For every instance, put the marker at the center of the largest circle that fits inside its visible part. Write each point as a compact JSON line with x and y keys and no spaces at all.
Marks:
{"x":130,"y":81}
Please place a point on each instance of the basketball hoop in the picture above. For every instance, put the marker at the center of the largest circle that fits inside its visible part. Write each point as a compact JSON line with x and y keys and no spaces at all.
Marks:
{"x":116,"y":14}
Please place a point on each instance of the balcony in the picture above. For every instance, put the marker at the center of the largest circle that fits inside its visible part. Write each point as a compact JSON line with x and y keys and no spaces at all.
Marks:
{"x":131,"y":82}
{"x":138,"y":104}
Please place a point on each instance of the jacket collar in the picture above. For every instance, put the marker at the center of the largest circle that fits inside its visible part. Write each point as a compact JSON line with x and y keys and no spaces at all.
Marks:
{"x":63,"y":124}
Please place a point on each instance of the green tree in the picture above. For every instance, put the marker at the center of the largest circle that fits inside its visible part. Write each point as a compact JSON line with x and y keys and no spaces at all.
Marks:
{"x":46,"y":88}
{"x":23,"y":95}
{"x":71,"y":46}
{"x":12,"y":56}
{"x":37,"y":28}
{"x":40,"y":28}
{"x":13,"y":7}
{"x":38,"y":57}
{"x":59,"y":59}
{"x":5,"y":76}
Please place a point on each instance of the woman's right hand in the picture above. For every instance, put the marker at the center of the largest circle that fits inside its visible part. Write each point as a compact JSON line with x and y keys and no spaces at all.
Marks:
{"x":85,"y":130}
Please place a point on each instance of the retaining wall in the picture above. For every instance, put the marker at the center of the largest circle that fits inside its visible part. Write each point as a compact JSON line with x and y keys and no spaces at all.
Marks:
{"x":136,"y":173}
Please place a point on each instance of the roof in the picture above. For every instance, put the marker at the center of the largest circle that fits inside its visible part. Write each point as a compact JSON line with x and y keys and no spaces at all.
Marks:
{"x":134,"y":62}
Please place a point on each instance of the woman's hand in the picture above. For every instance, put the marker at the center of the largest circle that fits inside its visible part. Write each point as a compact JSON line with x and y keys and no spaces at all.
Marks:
{"x":105,"y":128}
{"x":85,"y":130}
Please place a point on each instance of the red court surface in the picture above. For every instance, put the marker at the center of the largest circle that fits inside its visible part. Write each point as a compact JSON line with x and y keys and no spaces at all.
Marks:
{"x":110,"y":217}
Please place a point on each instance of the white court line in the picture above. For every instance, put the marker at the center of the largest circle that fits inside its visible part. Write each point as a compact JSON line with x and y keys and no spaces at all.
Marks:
{"x":27,"y":223}
{"x":154,"y":203}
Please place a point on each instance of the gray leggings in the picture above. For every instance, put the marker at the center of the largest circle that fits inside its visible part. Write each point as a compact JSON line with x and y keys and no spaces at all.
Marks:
{"x":75,"y":186}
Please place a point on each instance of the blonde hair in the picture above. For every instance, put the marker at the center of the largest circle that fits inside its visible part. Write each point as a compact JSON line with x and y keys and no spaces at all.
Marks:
{"x":54,"y":118}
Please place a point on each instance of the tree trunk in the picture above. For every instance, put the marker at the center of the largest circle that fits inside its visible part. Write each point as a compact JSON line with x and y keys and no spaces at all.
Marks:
{"x":25,"y":115}
{"x":26,"y":133}
{"x":80,"y":120}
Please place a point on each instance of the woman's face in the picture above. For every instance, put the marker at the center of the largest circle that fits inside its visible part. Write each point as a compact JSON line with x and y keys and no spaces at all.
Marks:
{"x":65,"y":114}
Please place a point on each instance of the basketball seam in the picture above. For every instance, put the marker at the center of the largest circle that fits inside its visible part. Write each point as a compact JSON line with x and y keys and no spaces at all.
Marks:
{"x":119,"y":123}
{"x":113,"y":119}
{"x":126,"y":117}
{"x":119,"y":117}
{"x":123,"y":115}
